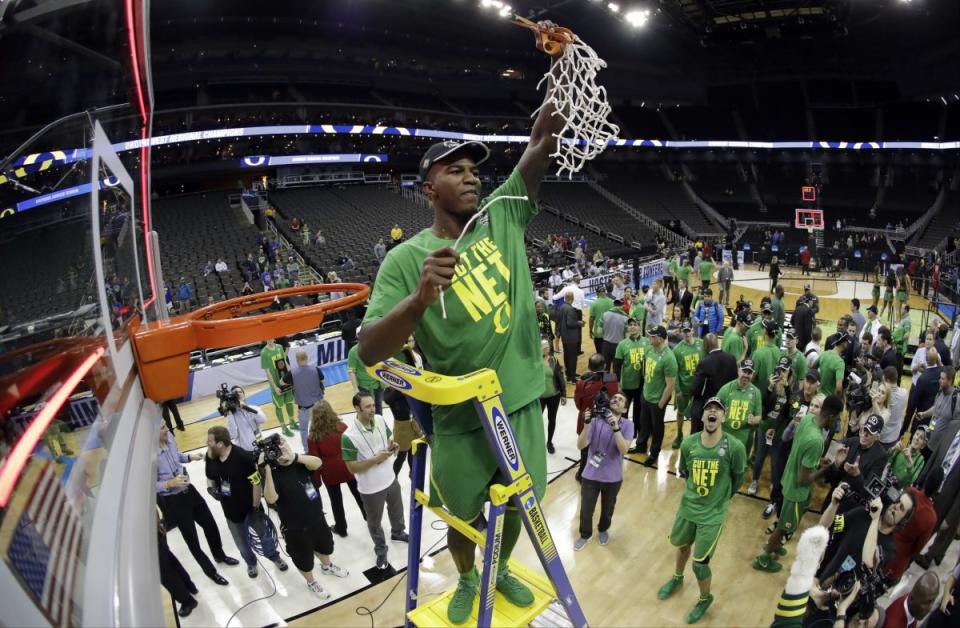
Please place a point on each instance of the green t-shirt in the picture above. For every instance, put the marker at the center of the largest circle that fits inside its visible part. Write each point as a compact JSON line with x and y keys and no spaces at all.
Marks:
{"x":706,"y":269}
{"x":755,"y":336}
{"x":732,"y":343}
{"x":901,"y":335}
{"x":779,"y":315}
{"x":364,"y":380}
{"x":683,"y":274}
{"x":741,"y":405}
{"x":831,"y":368}
{"x":632,"y":352}
{"x":274,"y":362}
{"x":597,"y":308}
{"x":713,"y":475}
{"x":805,"y":452}
{"x":764,"y":362}
{"x":491,"y":321}
{"x":657,"y":367}
{"x":799,"y":366}
{"x":906,"y":472}
{"x":672,"y":268}
{"x":639,"y":312}
{"x":688,"y":356}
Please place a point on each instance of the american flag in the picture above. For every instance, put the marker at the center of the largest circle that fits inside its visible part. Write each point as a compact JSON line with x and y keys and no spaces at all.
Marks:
{"x":46,"y":544}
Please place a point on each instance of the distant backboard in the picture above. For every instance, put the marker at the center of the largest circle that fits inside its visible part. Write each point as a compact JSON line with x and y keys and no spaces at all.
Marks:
{"x":808,"y":193}
{"x":809,"y":219}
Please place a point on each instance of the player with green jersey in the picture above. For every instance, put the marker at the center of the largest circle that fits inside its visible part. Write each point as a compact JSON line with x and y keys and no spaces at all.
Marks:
{"x":659,"y":382}
{"x":463,"y":288}
{"x":797,"y":360}
{"x":600,"y":305}
{"x":734,"y":342}
{"x":799,"y":474}
{"x":756,"y":330}
{"x":273,"y":360}
{"x":831,"y":365}
{"x":765,"y":358}
{"x":743,"y":404}
{"x":683,"y":271}
{"x":628,"y":366}
{"x":901,"y":333}
{"x":638,"y":309}
{"x":689,"y":352}
{"x":713,"y":464}
{"x":707,"y":266}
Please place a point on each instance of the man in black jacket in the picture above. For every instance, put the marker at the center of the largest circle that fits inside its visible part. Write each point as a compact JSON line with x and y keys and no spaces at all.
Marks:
{"x":859,"y":459}
{"x":714,"y":370}
{"x":684,"y":298}
{"x":802,"y":321}
{"x":924,"y":392}
{"x":884,"y":346}
{"x":569,"y":324}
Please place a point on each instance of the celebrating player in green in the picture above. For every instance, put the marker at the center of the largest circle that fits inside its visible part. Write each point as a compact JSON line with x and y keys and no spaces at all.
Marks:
{"x":688,"y":352}
{"x":628,"y":366}
{"x":713,"y":464}
{"x":734,"y":341}
{"x":489,"y":321}
{"x":743,"y":404}
{"x":273,"y":360}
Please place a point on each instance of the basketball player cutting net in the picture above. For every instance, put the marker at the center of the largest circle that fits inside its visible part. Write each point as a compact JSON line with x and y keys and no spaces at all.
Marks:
{"x":489,"y":322}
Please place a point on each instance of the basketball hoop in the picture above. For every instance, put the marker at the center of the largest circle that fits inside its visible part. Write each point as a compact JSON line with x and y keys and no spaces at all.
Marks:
{"x":576,"y":97}
{"x":162,"y":348}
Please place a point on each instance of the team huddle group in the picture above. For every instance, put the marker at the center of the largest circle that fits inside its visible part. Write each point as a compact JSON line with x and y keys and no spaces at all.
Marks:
{"x":748,"y":393}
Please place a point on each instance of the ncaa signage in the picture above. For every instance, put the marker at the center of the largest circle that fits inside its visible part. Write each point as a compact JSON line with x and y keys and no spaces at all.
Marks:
{"x":254,"y":161}
{"x":508,"y":447}
{"x":394,"y":380}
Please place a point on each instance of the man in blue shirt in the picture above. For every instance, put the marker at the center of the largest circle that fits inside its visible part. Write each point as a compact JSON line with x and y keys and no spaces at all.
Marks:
{"x":307,"y":391}
{"x":708,"y":316}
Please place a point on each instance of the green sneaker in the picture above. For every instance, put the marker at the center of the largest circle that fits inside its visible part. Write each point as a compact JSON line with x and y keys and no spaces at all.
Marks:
{"x":458,"y":611}
{"x":515,"y":591}
{"x":672,"y":585}
{"x":677,"y":442}
{"x":764,"y":562}
{"x":702,"y":605}
{"x":286,"y":431}
{"x":780,"y":553}
{"x":294,"y":425}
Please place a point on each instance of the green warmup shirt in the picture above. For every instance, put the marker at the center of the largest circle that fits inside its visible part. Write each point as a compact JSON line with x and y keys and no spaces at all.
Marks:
{"x":741,"y":405}
{"x":712,"y":477}
{"x":672,"y":268}
{"x":364,"y":380}
{"x":657,"y":367}
{"x":831,"y":368}
{"x":688,"y":356}
{"x":805,"y":452}
{"x":639,"y":312}
{"x":799,"y":366}
{"x":779,"y":315}
{"x":273,"y":360}
{"x":597,"y":309}
{"x":632,"y":352}
{"x":706,"y":270}
{"x":732,"y":343}
{"x":900,"y":335}
{"x":683,"y":274}
{"x":764,"y":362}
{"x":491,"y":321}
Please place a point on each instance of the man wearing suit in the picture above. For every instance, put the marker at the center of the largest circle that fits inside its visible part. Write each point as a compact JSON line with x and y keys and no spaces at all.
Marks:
{"x":884,"y":346}
{"x":946,"y":503}
{"x":714,"y":370}
{"x":924,"y":392}
{"x":802,"y":322}
{"x":569,"y":324}
{"x":684,"y":298}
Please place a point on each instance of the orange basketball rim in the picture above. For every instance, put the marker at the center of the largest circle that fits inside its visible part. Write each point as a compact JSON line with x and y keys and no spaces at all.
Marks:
{"x":163,"y":348}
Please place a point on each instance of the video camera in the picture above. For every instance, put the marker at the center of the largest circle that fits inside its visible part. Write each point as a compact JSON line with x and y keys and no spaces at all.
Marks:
{"x":871,"y":588}
{"x":230,"y":400}
{"x":883,"y":486}
{"x":270,"y":447}
{"x":601,"y":404}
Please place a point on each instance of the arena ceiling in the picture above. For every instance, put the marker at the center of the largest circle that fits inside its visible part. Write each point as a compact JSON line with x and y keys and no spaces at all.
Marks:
{"x":62,"y":56}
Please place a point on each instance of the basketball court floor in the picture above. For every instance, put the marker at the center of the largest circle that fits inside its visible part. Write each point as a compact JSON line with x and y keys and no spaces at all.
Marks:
{"x":615,"y":584}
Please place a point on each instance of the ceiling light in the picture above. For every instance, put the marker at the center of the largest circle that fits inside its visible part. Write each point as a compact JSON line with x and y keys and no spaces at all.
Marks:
{"x":505,"y":11}
{"x":613,"y":6}
{"x":637,"y":18}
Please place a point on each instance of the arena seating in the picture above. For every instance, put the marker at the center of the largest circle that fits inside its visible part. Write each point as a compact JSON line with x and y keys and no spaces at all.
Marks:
{"x":945,"y":223}
{"x":547,"y":223}
{"x":579,"y":200}
{"x":722,"y":186}
{"x":647,"y":191}
{"x":200,"y":227}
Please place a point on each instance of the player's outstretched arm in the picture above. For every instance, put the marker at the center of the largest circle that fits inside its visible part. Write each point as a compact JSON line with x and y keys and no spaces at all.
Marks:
{"x":536,"y":158}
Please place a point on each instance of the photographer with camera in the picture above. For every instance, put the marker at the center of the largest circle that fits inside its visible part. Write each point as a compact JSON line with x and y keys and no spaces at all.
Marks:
{"x":861,"y":542}
{"x":232,"y":480}
{"x":288,"y":486}
{"x":606,"y":438}
{"x":585,"y":395}
{"x":859,"y":460}
{"x":243,"y":421}
{"x":776,"y":400}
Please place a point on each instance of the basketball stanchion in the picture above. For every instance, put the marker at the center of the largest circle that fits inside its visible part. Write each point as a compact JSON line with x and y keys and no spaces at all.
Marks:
{"x":483,"y":389}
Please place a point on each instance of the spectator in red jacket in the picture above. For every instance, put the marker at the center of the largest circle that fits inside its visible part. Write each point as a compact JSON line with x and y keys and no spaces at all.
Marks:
{"x":805,"y":261}
{"x":908,"y":610}
{"x":911,"y":538}
{"x":323,"y":441}
{"x":586,"y":391}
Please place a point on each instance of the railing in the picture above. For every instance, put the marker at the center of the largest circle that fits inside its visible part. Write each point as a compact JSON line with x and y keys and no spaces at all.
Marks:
{"x":307,"y":274}
{"x":294,"y":180}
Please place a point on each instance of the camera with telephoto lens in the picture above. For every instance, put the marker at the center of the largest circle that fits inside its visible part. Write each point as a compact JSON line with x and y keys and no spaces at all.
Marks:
{"x":601,"y":404}
{"x":229,"y":399}
{"x":871,"y":587}
{"x":858,"y":397}
{"x":270,"y":447}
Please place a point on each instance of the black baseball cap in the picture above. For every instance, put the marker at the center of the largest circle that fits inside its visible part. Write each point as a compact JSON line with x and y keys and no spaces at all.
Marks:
{"x":789,"y":334}
{"x":633,"y":320}
{"x":873,"y":424}
{"x":659,"y":330}
{"x":836,"y":339}
{"x":714,"y":401}
{"x":441,"y":150}
{"x":747,"y":365}
{"x":766,"y":307}
{"x":872,"y":308}
{"x":707,"y":292}
{"x":686,"y":325}
{"x":770,"y":325}
{"x":602,"y":288}
{"x":744,"y":317}
{"x":813,"y":375}
{"x":784,"y":363}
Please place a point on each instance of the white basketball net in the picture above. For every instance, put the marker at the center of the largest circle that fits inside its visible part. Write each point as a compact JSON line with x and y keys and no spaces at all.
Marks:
{"x":582,"y":104}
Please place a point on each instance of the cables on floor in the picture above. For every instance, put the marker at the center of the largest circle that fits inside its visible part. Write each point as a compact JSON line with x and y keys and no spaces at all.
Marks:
{"x":365,"y":611}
